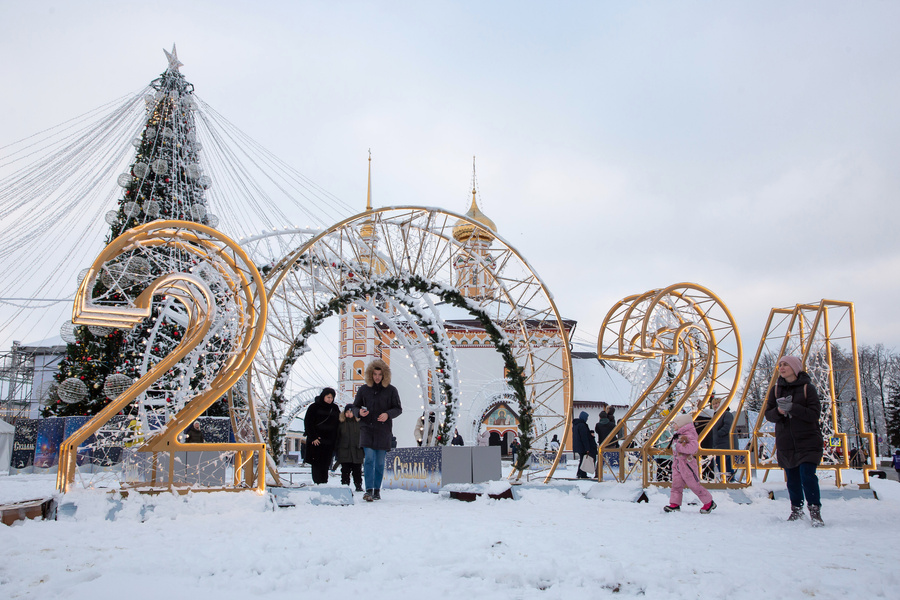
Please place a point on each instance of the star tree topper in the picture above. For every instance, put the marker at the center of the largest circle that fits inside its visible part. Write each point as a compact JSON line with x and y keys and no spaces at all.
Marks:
{"x":172,"y":57}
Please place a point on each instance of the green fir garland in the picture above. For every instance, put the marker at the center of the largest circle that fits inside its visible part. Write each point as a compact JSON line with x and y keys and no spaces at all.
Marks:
{"x":392,"y":286}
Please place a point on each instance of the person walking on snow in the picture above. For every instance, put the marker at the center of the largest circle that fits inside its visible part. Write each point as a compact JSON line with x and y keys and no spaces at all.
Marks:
{"x":349,"y":454}
{"x":583,"y":444}
{"x":377,"y":404}
{"x":684,"y":465}
{"x":321,"y":424}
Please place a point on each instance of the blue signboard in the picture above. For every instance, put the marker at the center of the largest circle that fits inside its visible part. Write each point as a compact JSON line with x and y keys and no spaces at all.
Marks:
{"x":413,"y":469}
{"x":49,"y":439}
{"x":23,"y":443}
{"x":73,"y":424}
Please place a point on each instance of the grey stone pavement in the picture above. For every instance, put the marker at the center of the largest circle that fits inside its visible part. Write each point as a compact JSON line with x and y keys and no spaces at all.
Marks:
{"x":889,"y":471}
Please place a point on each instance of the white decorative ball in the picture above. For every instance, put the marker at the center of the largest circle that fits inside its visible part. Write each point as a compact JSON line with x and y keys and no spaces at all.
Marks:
{"x":116,"y":384}
{"x":72,"y":390}
{"x":160,"y":166}
{"x":67,"y":332}
{"x":131,"y":209}
{"x":151,"y":208}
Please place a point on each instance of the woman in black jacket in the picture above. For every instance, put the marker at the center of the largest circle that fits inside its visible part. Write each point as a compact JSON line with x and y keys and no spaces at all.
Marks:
{"x":793,"y":405}
{"x":583,"y":444}
{"x":321,"y":424}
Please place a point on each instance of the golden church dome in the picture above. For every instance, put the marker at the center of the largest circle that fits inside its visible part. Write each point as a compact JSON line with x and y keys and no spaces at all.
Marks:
{"x":463,"y":230}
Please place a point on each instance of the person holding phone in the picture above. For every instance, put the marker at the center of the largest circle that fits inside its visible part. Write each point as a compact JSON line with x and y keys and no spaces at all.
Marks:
{"x":377,"y":404}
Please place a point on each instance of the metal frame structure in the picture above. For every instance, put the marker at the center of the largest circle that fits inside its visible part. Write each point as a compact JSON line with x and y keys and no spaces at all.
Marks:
{"x":814,"y":332}
{"x":690,"y":348}
{"x":217,"y":258}
{"x":411,"y":241}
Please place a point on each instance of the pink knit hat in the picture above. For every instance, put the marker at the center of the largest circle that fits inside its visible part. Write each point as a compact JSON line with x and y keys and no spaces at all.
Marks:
{"x":793,"y":362}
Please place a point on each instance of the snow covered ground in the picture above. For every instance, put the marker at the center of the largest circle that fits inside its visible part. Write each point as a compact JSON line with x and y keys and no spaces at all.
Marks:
{"x":549,"y":544}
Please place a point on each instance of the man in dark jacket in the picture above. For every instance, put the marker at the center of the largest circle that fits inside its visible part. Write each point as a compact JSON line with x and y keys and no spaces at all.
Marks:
{"x":377,"y":404}
{"x":583,"y":443}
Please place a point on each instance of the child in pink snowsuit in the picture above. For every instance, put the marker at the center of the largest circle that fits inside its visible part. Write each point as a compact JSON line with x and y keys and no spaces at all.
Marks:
{"x":684,"y":465}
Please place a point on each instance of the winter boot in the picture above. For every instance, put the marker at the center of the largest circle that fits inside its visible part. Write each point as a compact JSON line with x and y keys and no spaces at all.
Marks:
{"x":796,"y":513}
{"x":815,"y":515}
{"x":672,"y":508}
{"x":359,"y":488}
{"x":368,"y":497}
{"x":708,"y":508}
{"x":377,"y":494}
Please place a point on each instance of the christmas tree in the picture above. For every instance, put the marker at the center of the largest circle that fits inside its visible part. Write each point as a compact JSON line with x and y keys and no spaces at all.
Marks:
{"x":165,"y":181}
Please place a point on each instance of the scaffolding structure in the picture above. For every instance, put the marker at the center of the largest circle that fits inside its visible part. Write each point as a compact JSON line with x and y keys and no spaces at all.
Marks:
{"x":26,"y":380}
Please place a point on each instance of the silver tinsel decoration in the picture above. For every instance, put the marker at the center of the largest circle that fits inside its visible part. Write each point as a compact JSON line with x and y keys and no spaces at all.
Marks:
{"x":72,"y":390}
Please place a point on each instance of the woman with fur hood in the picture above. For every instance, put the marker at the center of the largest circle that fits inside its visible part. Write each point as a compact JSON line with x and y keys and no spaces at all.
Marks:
{"x":684,"y":465}
{"x":321,"y":425}
{"x":377,"y":404}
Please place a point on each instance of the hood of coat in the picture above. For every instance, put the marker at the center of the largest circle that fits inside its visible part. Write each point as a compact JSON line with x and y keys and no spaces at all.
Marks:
{"x":385,"y":370}
{"x":583,"y":416}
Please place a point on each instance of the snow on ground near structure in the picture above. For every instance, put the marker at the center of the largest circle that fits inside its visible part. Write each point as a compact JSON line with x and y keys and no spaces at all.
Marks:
{"x":548,"y":544}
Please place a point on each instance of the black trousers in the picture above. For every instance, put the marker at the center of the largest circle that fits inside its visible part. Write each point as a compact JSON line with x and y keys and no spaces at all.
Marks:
{"x":351,"y":468}
{"x":320,"y":471}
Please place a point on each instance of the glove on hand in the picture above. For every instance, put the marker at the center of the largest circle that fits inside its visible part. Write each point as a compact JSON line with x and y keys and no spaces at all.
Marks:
{"x":785,"y":404}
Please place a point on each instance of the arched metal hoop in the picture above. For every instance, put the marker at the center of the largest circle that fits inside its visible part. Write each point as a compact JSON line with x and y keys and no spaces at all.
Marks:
{"x":401,"y":243}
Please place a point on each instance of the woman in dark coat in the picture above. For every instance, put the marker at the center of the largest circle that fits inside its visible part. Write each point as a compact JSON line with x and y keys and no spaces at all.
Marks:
{"x":604,"y":427}
{"x":793,"y":405}
{"x":583,"y":443}
{"x":349,"y":453}
{"x":321,"y":424}
{"x":377,"y":404}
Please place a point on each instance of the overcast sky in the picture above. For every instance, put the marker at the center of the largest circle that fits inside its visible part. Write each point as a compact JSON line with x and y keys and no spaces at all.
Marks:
{"x":750,"y":147}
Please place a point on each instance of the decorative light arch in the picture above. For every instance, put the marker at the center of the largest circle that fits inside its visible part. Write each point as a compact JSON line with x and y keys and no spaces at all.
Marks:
{"x":412,"y":251}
